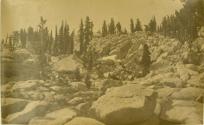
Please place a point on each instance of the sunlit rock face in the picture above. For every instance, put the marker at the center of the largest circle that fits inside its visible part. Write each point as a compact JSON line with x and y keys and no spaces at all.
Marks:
{"x":131,"y":100}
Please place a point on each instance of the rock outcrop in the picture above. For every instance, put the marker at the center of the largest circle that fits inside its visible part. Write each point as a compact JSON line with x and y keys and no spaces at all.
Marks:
{"x":58,"y":117}
{"x":35,"y":108}
{"x":132,"y":101}
{"x":68,"y":64}
{"x":12,"y":105}
{"x":182,"y":112}
{"x":118,"y":93}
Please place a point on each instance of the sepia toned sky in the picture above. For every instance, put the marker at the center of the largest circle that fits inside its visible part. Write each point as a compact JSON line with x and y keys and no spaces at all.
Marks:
{"x":18,"y":14}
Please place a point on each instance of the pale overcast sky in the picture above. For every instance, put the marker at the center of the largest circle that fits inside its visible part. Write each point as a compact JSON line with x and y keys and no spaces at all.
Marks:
{"x":23,"y":13}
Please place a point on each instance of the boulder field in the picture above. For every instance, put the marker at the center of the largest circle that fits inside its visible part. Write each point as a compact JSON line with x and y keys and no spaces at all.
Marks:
{"x":115,"y":93}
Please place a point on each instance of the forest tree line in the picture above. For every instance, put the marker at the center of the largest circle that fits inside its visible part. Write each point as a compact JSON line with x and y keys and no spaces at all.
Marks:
{"x":183,"y":25}
{"x":41,"y":40}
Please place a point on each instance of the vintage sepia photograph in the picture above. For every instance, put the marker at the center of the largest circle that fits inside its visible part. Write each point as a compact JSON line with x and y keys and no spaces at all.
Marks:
{"x":102,"y":62}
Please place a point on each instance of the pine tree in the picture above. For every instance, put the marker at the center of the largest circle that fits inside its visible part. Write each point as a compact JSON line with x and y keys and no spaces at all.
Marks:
{"x":2,"y":44}
{"x":67,"y":46}
{"x":72,"y":42}
{"x":91,"y":30}
{"x":61,"y":39}
{"x":42,"y":30}
{"x":118,"y":27}
{"x":23,"y":38}
{"x":199,"y":14}
{"x":112,"y":27}
{"x":146,"y":28}
{"x":164,"y":26}
{"x":56,"y":45}
{"x":42,"y":57}
{"x":81,"y":37}
{"x":15,"y":39}
{"x":138,"y":26}
{"x":132,"y":26}
{"x":182,"y":27}
{"x":104,"y":29}
{"x":146,"y":60}
{"x":51,"y":42}
{"x":46,"y":40}
{"x":30,"y":34}
{"x":152,"y":25}
{"x":88,"y":33}
{"x":90,"y":58}
{"x":10,"y":43}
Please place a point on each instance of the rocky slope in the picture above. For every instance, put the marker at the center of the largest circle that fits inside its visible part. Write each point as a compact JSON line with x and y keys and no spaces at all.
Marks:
{"x":171,"y":94}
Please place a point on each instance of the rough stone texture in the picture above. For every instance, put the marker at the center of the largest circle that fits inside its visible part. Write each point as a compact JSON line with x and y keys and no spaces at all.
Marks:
{"x":182,"y":112}
{"x":76,"y":100}
{"x":22,"y":54}
{"x":104,"y":84}
{"x":34,"y":90}
{"x":58,"y":117}
{"x":6,"y":89}
{"x":26,"y":85}
{"x":84,"y":121}
{"x":160,"y":79}
{"x":12,"y":105}
{"x":33,"y":60}
{"x":131,"y":100}
{"x":83,"y":107}
{"x":196,"y":81}
{"x":68,"y":64}
{"x":78,"y":86}
{"x":184,"y":72}
{"x":166,"y":92}
{"x":32,"y":110}
{"x":189,"y":93}
{"x":6,"y":53}
{"x":172,"y":82}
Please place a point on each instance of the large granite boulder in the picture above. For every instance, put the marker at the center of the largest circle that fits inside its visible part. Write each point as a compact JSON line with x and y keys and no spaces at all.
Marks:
{"x":7,"y":56}
{"x":58,"y":117}
{"x":189,"y":93}
{"x":26,"y":85}
{"x":182,"y":112}
{"x":22,"y":54}
{"x":105,"y":84}
{"x":124,"y":105}
{"x":30,"y":89}
{"x":166,"y":92}
{"x":196,"y":81}
{"x":68,"y":64}
{"x":12,"y":105}
{"x":32,"y":109}
{"x":78,"y":86}
{"x":185,"y":72}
